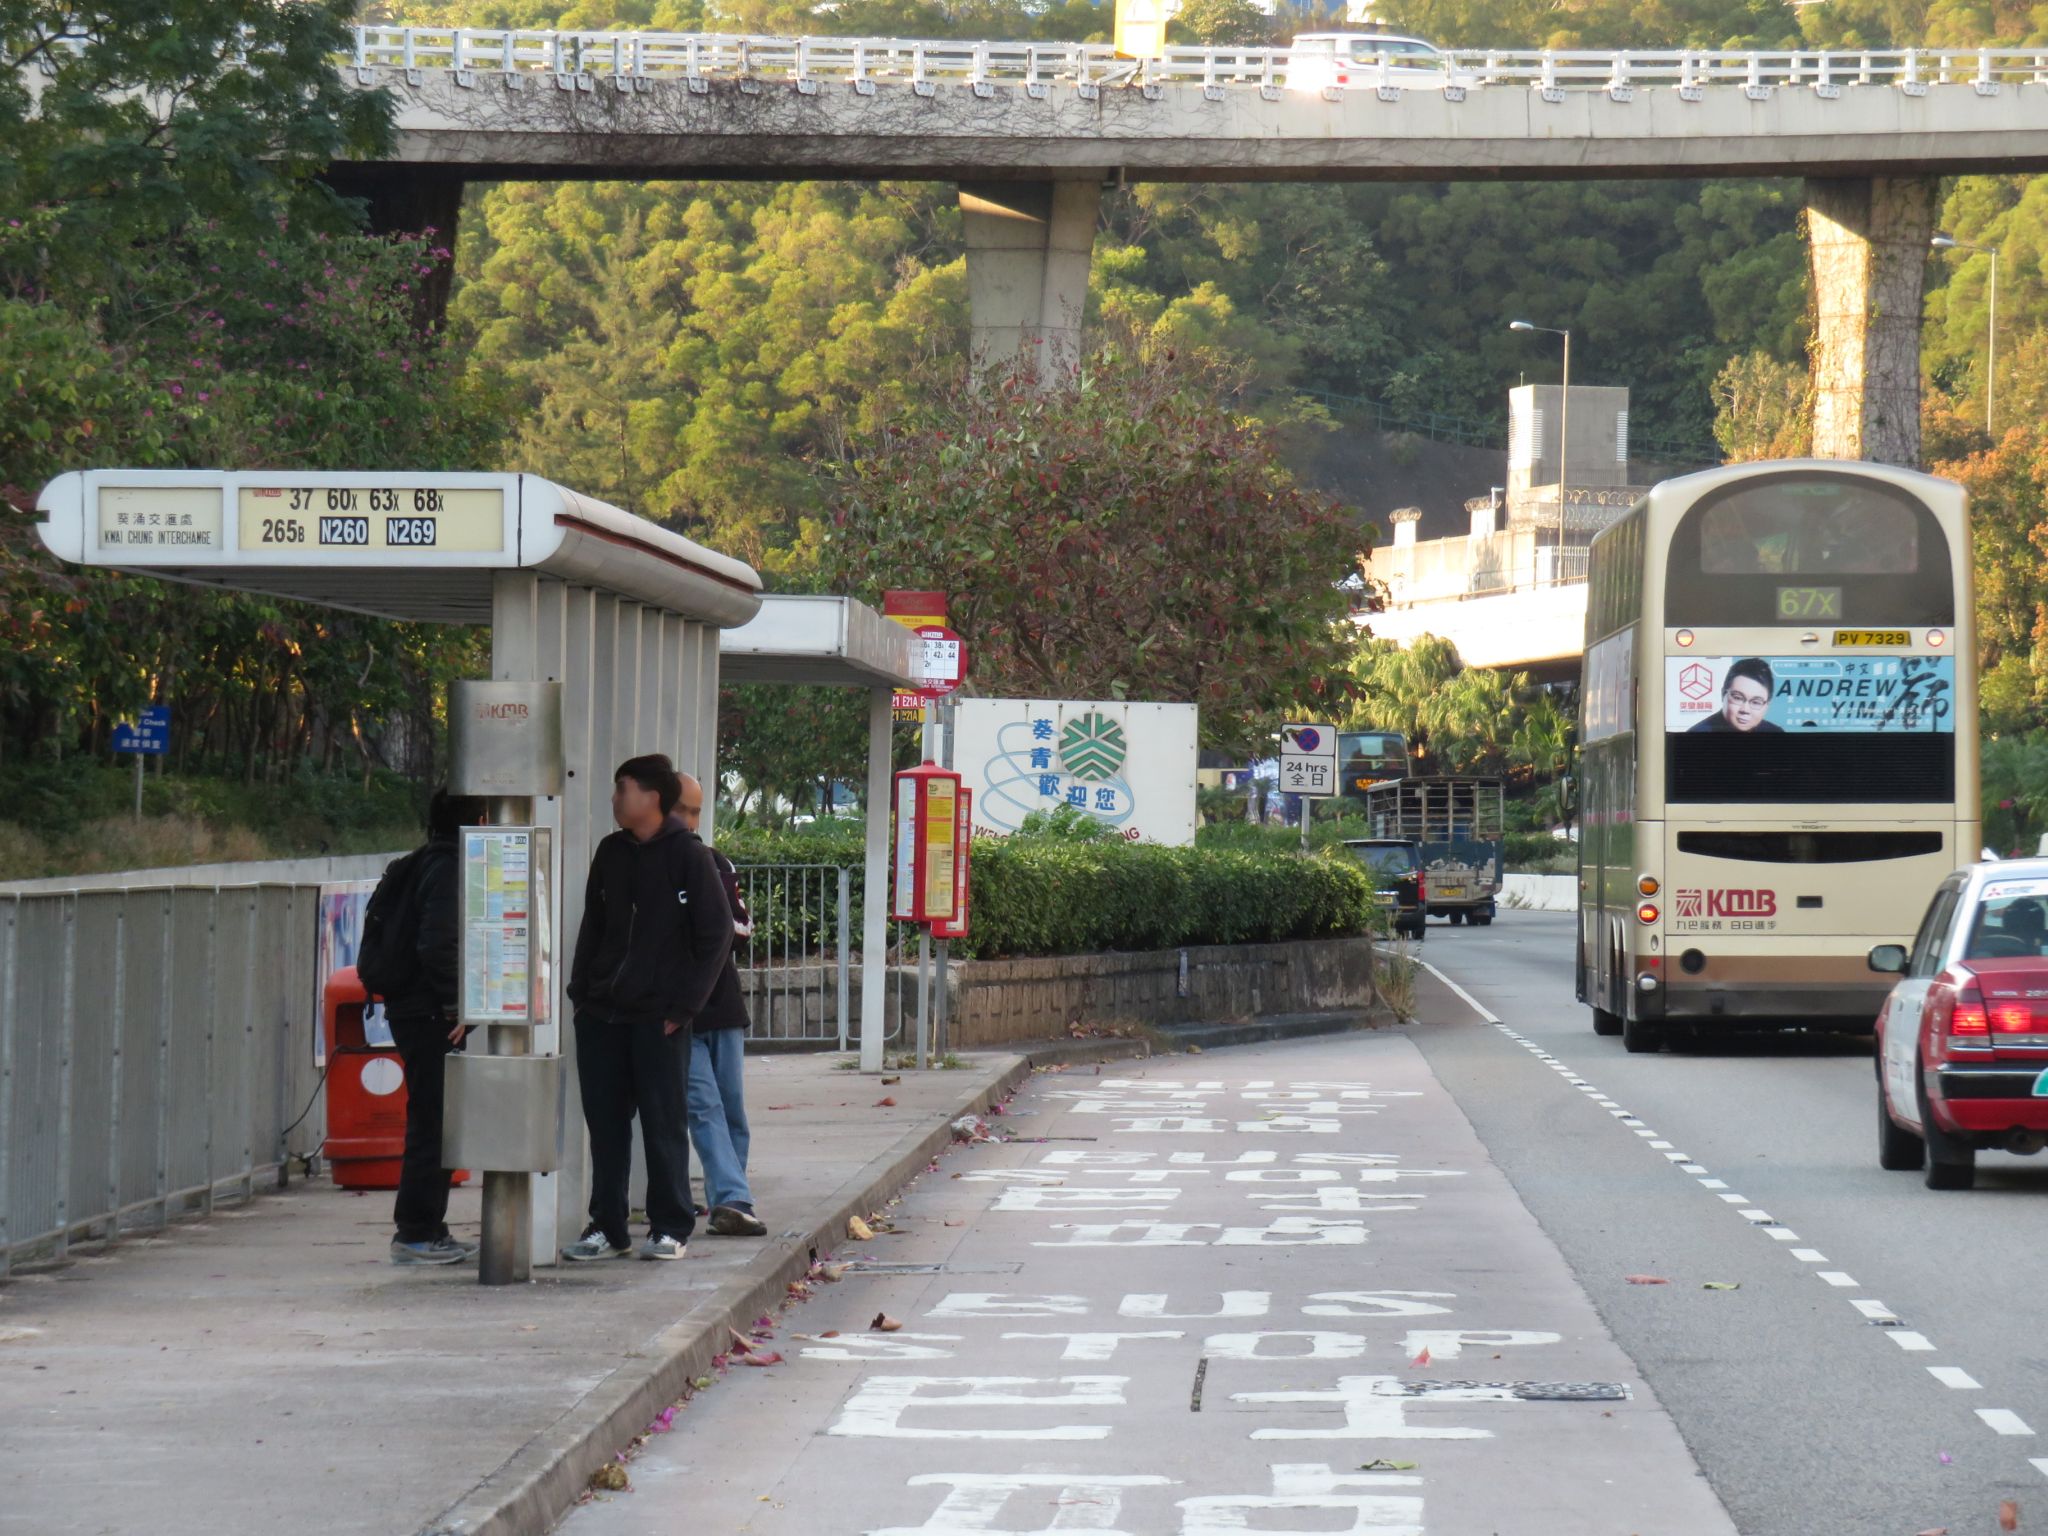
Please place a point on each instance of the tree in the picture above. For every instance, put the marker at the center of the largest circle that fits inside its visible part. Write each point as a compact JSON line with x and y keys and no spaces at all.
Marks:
{"x":1224,"y":24}
{"x":1763,"y":409}
{"x":1128,"y":536}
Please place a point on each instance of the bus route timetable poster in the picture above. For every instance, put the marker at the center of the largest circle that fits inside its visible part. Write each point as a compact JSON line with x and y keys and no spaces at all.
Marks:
{"x":1769,"y":694}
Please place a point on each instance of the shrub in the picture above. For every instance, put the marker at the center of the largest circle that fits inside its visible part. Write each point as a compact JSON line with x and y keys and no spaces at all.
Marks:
{"x":1060,"y":895}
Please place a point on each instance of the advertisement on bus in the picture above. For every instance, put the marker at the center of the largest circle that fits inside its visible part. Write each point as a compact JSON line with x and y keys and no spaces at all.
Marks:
{"x":1767,"y":695}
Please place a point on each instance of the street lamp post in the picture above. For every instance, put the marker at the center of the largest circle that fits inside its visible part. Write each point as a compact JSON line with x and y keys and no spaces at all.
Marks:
{"x":1950,"y":243}
{"x":1564,"y":429}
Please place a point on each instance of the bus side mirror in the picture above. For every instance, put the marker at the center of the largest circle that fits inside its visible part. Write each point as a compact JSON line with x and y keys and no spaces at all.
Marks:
{"x":1888,"y":959}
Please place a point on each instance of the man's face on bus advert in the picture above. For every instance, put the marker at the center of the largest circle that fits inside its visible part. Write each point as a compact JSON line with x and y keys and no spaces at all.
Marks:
{"x":1744,"y":702}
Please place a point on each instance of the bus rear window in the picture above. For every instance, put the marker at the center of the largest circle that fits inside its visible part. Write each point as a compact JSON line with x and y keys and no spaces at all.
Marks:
{"x":1854,"y":552}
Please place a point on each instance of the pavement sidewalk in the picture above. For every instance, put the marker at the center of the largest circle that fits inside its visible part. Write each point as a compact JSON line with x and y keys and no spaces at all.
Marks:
{"x":268,"y":1370}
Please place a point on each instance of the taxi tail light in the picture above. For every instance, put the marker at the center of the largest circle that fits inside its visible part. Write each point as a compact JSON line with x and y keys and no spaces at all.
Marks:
{"x":1968,"y":1020}
{"x":2012,"y":1019}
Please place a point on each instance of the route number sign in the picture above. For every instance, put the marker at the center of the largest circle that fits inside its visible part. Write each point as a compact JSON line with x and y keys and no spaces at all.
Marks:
{"x":1308,"y":760}
{"x":940,"y":660}
{"x":341,"y":520}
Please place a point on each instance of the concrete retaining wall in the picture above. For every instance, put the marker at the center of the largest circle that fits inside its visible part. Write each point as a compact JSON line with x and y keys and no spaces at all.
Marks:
{"x":1036,"y":999}
{"x":1540,"y":893}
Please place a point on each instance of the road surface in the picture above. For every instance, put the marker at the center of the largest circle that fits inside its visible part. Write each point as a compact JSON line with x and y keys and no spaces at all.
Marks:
{"x":1380,"y":1283}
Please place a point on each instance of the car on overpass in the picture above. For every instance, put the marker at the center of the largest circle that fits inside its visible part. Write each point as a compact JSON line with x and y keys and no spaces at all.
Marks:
{"x":1962,"y":1040}
{"x":1319,"y":60}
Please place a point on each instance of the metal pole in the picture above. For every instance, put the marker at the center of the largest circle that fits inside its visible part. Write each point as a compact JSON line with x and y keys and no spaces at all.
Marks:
{"x":506,"y":1254}
{"x":1308,"y":810}
{"x":924,"y":997}
{"x":138,"y":786}
{"x":939,"y":1003}
{"x":874,"y":947}
{"x":845,"y":951}
{"x":1564,"y":446}
{"x":1991,"y":362}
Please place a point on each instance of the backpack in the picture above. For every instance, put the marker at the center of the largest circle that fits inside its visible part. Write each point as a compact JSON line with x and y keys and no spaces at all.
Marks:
{"x":386,"y":962}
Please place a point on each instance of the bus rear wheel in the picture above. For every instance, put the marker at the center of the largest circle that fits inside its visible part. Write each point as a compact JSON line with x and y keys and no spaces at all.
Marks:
{"x":1605,"y":1023}
{"x":1640,"y":1038}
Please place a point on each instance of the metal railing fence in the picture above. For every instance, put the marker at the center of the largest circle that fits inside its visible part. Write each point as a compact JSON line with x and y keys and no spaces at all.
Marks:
{"x":579,"y":56}
{"x":799,"y":971}
{"x":151,"y":1055}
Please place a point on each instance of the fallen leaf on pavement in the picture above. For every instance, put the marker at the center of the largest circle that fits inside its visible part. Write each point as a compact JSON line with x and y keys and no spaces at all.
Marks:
{"x":1421,"y":1359}
{"x":702,"y":1383}
{"x":1646,"y":1280}
{"x":611,"y":1477}
{"x":1386,"y":1466}
{"x":885,"y":1103}
{"x":2009,"y":1515}
{"x":891,"y":1082}
{"x":858,"y":1230}
{"x":832,"y":1272}
{"x":884,"y":1323}
{"x":956,"y":1223}
{"x":772,"y":1357}
{"x":1194,"y":1050}
{"x":1721,"y":1285}
{"x":782,"y":1106}
{"x":1940,"y":1530}
{"x":829,"y":1333}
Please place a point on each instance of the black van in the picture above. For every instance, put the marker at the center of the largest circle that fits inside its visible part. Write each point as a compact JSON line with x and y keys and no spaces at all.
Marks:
{"x":1396,"y":868}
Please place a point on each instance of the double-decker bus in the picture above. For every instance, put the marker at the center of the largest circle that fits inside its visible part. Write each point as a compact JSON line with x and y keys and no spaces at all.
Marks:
{"x":1366,"y":758}
{"x":1778,"y":728}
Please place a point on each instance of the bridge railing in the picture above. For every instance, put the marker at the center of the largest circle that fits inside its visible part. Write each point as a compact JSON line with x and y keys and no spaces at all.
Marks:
{"x":467,"y":51}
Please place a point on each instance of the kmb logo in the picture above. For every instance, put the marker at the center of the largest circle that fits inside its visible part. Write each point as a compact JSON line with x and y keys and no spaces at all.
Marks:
{"x":1732,"y":903}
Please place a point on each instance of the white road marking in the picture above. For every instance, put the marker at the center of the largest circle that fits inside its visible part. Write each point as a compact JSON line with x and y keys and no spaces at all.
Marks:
{"x":2040,"y":1464}
{"x":1690,"y":1168}
{"x":1955,"y":1376}
{"x":1661,"y":1146}
{"x":975,"y":1500}
{"x":1781,"y":1234}
{"x":2003,"y":1421}
{"x":878,"y":1404}
{"x":1713,"y":1183}
{"x":1906,"y":1339}
{"x":1876,"y":1311}
{"x":1735,"y":1199}
{"x":1837,"y":1277}
{"x":1809,"y":1256}
{"x":1753,"y":1214}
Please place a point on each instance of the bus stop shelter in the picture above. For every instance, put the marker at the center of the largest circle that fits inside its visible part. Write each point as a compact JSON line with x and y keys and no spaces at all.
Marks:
{"x":625,"y":615}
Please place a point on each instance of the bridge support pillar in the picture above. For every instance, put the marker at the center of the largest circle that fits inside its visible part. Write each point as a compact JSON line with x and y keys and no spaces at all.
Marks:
{"x":410,"y":200}
{"x":1029,"y":246}
{"x":1867,"y":243}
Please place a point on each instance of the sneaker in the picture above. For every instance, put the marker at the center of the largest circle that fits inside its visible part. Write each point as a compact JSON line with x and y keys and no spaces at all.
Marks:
{"x":442,"y":1250}
{"x":660,"y":1246}
{"x":593,"y":1244}
{"x":737,"y":1221}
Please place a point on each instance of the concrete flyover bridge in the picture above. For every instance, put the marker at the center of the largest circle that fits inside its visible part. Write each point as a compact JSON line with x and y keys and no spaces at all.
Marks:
{"x":1033,"y":131}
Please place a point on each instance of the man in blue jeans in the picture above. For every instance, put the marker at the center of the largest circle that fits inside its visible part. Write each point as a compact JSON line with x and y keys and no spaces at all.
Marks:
{"x":718,"y":1100}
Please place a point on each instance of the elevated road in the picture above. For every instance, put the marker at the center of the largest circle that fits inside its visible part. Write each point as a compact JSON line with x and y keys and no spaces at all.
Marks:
{"x":538,"y":104}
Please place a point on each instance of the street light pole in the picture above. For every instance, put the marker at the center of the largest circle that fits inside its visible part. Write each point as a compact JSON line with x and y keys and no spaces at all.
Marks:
{"x":1564,"y":431}
{"x":1949,"y":243}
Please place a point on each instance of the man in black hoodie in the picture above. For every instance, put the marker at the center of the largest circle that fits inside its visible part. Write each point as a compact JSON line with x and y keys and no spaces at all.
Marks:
{"x":656,"y":930}
{"x":421,"y":1013}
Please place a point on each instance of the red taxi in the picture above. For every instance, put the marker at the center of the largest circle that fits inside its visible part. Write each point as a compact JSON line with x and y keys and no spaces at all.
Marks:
{"x":1962,"y":1041}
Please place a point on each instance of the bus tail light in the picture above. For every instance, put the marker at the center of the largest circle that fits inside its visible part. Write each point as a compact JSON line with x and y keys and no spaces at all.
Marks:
{"x":1936,"y":638}
{"x":1648,"y":885}
{"x":1646,"y":912}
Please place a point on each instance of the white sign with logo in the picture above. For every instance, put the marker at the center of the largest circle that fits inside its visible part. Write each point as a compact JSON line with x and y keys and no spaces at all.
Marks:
{"x":1130,"y":766}
{"x":1308,"y":759}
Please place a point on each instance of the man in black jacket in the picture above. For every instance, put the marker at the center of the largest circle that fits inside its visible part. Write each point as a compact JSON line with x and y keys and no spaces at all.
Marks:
{"x":422,"y":1017}
{"x":656,"y":931}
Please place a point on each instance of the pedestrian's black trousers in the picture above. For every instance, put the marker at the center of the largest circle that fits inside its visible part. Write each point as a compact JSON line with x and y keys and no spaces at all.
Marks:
{"x":421,"y":1209}
{"x":627,"y":1069}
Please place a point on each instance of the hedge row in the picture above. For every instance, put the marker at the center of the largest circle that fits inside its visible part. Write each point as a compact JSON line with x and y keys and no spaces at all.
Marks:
{"x":1055,"y":896}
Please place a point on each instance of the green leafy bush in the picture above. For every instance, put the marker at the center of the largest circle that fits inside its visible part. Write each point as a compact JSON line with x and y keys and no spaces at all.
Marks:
{"x":1060,"y":895}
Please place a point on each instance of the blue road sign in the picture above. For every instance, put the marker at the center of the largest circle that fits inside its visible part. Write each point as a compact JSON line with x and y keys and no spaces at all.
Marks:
{"x":152,"y":737}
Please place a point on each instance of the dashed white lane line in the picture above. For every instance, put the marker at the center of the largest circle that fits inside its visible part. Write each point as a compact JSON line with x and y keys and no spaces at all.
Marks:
{"x":2040,"y":1464}
{"x":2001,"y":1421}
